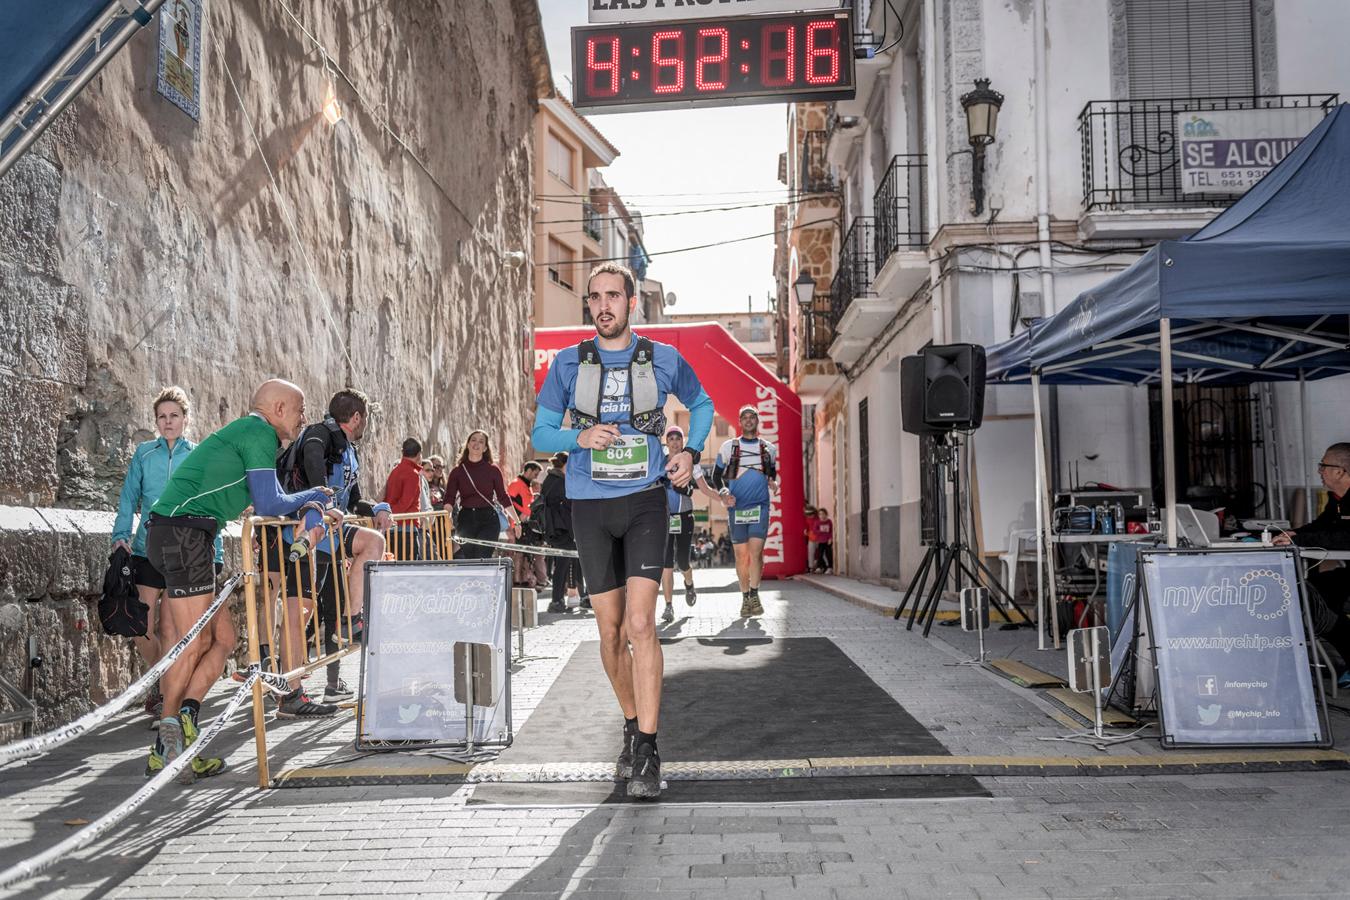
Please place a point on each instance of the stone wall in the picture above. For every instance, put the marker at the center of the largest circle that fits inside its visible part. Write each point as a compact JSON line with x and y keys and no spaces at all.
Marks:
{"x":139,"y":248}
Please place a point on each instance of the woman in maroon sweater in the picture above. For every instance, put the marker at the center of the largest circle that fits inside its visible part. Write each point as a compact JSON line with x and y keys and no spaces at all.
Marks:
{"x":476,"y":486}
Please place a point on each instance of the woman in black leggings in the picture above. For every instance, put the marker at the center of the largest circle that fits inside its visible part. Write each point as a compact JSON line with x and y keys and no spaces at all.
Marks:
{"x":477,"y":488}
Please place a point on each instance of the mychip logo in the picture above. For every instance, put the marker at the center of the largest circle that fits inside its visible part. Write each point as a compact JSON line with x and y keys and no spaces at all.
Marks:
{"x":1264,"y":593}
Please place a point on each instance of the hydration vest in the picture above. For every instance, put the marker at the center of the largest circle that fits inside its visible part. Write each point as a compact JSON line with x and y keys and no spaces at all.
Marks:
{"x":765,"y":461}
{"x":645,"y":412}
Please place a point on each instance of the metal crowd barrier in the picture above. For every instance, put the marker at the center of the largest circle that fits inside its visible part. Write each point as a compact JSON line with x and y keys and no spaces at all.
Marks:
{"x":426,"y":535}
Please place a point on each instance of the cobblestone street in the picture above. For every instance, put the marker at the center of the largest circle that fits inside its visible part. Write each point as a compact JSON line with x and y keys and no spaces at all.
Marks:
{"x":1166,"y":835}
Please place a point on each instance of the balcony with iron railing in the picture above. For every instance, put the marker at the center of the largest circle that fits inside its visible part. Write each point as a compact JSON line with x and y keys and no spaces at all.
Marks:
{"x":813,"y":173}
{"x":813,"y":371}
{"x":857,"y":268}
{"x":816,"y":333}
{"x":591,"y":221}
{"x":899,"y":207}
{"x":1132,"y":155}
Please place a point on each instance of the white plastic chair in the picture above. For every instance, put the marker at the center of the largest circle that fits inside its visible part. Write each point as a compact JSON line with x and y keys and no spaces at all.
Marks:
{"x":1011,"y":557}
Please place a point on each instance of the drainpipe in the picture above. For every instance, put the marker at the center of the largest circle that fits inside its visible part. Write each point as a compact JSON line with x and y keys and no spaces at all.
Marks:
{"x":1042,"y":123}
{"x":1042,"y":115}
{"x":930,"y":140}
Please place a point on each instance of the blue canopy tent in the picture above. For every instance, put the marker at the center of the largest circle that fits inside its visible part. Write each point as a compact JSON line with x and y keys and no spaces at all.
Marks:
{"x":51,"y":49}
{"x":1261,"y":293}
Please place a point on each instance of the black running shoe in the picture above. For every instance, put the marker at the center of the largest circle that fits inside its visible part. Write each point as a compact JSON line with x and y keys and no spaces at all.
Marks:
{"x":585,"y":602}
{"x":645,"y":782}
{"x":624,"y":767}
{"x":557,"y":607}
{"x":756,"y":608}
{"x":335,"y":693}
{"x":690,"y":595}
{"x":299,"y":706}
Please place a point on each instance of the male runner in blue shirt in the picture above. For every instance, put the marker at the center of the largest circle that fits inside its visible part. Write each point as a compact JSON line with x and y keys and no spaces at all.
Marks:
{"x":615,"y":387}
{"x":746,"y":471}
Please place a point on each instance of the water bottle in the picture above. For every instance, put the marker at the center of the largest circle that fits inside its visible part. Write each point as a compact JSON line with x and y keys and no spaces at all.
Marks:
{"x":1120,"y":519}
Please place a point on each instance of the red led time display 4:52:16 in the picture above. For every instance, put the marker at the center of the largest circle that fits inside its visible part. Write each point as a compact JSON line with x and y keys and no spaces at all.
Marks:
{"x":767,"y":57}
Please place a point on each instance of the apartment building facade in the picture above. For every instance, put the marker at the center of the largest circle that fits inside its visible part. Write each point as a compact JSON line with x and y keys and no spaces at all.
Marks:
{"x":913,"y":235}
{"x":568,"y":233}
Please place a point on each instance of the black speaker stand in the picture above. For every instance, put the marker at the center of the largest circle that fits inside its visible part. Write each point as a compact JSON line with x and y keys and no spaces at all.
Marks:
{"x":946,"y":559}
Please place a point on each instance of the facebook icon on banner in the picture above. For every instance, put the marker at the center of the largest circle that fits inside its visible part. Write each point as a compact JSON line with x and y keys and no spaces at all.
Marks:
{"x":1209,"y":685}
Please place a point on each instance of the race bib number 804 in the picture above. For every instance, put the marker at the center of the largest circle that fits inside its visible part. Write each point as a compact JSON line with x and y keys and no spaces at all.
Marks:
{"x":624,"y":460}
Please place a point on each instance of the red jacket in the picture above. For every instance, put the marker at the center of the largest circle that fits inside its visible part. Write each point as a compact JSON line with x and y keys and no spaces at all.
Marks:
{"x":522,"y":496}
{"x":403,"y":490}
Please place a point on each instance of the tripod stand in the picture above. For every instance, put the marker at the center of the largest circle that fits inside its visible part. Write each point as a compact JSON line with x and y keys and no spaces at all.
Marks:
{"x":945,"y":559}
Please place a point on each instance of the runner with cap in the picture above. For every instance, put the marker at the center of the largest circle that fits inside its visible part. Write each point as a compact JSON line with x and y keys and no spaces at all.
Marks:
{"x":745,"y":472}
{"x":680,"y":528}
{"x":614,"y":387}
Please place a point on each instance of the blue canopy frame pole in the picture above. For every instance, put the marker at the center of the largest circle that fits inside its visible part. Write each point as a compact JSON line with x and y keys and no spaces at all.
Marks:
{"x":1040,"y":513}
{"x":1168,"y":429}
{"x":1305,"y":439}
{"x":78,"y":66}
{"x":1046,"y":589}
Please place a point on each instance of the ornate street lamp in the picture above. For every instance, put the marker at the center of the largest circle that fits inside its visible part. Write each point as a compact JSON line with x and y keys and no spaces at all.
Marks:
{"x":805,"y":289}
{"x":981,"y":106}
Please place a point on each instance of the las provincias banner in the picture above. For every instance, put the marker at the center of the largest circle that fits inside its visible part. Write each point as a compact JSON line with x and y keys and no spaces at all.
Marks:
{"x":732,"y":377}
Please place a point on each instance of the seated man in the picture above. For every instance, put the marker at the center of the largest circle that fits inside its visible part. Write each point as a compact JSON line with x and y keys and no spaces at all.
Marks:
{"x":325,"y":455}
{"x":1330,"y":531}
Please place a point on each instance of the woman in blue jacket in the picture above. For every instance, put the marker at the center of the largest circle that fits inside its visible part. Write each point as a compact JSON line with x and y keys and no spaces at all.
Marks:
{"x":151,"y":465}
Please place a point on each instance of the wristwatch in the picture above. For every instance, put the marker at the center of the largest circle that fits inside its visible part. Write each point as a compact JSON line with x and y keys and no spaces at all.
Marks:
{"x":693,"y":454}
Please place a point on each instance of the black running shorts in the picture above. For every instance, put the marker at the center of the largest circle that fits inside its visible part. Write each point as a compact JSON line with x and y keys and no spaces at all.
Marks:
{"x":620,"y":538}
{"x":679,"y":542}
{"x":144,"y":573}
{"x":183,"y":549}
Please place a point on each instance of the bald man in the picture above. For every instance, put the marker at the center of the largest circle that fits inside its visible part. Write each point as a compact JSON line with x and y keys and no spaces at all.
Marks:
{"x":224,"y":474}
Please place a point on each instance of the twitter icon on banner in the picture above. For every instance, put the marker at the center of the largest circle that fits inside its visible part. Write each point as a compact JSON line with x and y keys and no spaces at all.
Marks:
{"x":1209,"y":714}
{"x":408,"y":712}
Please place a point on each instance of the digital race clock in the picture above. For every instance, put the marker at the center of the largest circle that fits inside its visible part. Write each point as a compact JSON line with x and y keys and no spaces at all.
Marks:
{"x":712,"y":62}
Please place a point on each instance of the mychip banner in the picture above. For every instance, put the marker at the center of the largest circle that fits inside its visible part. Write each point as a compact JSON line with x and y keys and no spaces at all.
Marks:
{"x":1231,"y":648}
{"x":437,"y":636}
{"x":1228,"y":151}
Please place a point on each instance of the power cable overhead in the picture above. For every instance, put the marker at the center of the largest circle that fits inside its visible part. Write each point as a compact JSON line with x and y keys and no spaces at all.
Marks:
{"x":652,"y":255}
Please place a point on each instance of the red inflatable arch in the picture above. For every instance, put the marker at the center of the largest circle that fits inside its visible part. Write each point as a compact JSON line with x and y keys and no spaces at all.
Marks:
{"x":732,"y":377}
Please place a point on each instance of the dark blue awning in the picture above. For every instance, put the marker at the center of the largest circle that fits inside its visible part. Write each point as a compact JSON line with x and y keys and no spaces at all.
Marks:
{"x":48,"y":50}
{"x":33,"y":35}
{"x":1260,"y":293}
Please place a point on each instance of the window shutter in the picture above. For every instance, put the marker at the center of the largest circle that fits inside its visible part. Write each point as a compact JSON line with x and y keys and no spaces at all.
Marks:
{"x":1197,"y":48}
